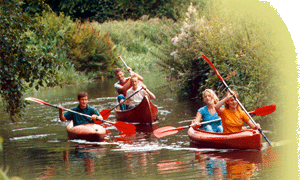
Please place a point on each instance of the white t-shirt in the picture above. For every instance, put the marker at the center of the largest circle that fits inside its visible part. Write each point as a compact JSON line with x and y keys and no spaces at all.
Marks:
{"x":138,"y":97}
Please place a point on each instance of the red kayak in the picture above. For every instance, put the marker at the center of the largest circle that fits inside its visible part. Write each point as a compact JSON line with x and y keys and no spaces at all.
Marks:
{"x":145,"y":112}
{"x":88,"y":132}
{"x":245,"y":139}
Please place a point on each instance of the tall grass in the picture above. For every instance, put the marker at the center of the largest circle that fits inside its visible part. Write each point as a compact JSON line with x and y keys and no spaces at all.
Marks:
{"x":138,"y":42}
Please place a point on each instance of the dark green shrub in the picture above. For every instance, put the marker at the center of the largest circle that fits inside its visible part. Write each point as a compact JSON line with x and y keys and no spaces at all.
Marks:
{"x":91,"y":49}
{"x":88,"y":49}
{"x":103,"y":10}
{"x":236,"y":43}
{"x":21,"y":66}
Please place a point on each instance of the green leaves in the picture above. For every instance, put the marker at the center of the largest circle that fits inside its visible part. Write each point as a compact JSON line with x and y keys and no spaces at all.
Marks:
{"x":236,"y":43}
{"x":20,"y":63}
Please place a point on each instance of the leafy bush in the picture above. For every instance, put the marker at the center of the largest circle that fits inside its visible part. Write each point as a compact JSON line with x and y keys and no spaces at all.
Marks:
{"x":80,"y":43}
{"x":236,"y":43}
{"x":21,"y":66}
{"x":103,"y":10}
{"x":91,"y":49}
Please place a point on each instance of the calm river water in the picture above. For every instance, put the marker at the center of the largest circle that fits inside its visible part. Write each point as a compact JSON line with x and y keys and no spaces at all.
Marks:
{"x":38,"y":147}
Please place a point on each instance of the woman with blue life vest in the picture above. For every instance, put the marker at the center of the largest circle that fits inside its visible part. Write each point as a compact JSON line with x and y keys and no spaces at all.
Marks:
{"x":208,"y":113}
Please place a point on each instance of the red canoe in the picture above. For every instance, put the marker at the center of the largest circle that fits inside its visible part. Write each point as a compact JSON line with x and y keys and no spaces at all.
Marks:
{"x":88,"y":132}
{"x":245,"y":139}
{"x":145,"y":112}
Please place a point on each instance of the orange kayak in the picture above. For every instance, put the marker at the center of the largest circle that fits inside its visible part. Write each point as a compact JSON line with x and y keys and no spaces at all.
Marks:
{"x":245,"y":139}
{"x":88,"y":132}
{"x":145,"y":112}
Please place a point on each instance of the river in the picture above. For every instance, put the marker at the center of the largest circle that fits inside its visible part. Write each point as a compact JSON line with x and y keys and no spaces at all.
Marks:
{"x":38,"y":148}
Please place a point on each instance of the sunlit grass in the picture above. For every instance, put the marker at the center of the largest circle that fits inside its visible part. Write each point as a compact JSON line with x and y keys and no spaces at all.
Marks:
{"x":138,"y":42}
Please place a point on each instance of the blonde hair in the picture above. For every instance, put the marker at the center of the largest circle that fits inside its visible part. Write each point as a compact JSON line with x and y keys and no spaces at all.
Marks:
{"x":213,"y":95}
{"x":133,"y":76}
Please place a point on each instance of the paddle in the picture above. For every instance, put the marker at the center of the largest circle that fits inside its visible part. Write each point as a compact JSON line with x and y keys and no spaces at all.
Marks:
{"x":123,"y":62}
{"x":264,"y":110}
{"x":121,"y":126}
{"x":106,"y":112}
{"x":220,"y":77}
{"x":169,"y":130}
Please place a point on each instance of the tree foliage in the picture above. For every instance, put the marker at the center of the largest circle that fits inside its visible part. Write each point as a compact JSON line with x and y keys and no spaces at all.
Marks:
{"x":239,"y":48}
{"x":103,"y":10}
{"x":20,"y":66}
{"x":89,"y":49}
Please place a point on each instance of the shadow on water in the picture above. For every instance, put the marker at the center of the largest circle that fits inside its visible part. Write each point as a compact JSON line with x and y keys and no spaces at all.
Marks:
{"x":38,"y":148}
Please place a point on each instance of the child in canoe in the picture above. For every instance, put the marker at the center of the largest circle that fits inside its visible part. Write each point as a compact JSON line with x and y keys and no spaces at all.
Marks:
{"x":208,"y":113}
{"x":124,"y":84}
{"x":232,"y":116}
{"x":138,"y":97}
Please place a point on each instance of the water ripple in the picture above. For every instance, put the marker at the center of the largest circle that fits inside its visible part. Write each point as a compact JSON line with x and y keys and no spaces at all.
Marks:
{"x":31,"y":137}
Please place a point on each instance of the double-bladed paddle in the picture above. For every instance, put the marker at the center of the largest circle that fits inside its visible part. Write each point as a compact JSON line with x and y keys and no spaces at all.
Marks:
{"x":169,"y":130}
{"x":106,"y":112}
{"x":220,"y":77}
{"x":121,"y":126}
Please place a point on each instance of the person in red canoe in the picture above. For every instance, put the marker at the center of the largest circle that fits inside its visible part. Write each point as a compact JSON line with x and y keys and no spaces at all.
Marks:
{"x":233,"y":117}
{"x":138,"y":97}
{"x":83,"y":108}
{"x":208,"y":113}
{"x":124,"y":84}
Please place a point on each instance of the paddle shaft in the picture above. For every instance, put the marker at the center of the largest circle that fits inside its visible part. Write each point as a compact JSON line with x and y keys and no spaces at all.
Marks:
{"x":123,"y":62}
{"x":79,"y":113}
{"x":202,"y":123}
{"x":169,"y":130}
{"x":191,"y":125}
{"x":121,"y":126}
{"x":244,"y":109}
{"x":123,"y":101}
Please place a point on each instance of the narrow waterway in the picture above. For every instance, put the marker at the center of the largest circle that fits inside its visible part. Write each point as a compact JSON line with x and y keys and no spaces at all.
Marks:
{"x":38,"y":148}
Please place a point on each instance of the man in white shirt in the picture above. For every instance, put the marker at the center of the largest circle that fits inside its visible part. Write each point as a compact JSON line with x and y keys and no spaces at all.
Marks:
{"x":138,"y":97}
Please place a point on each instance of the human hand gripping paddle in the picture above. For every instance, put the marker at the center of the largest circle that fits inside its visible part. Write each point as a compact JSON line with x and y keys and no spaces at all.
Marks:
{"x":169,"y":130}
{"x":121,"y":126}
{"x":106,"y":112}
{"x":123,"y":62}
{"x":220,"y":77}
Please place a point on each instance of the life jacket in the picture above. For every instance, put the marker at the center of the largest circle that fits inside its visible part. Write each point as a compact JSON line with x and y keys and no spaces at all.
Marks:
{"x":122,"y":84}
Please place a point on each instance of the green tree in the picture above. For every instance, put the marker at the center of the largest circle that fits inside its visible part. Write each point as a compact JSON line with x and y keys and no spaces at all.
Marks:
{"x":103,"y":10}
{"x":21,"y":67}
{"x":236,"y":41}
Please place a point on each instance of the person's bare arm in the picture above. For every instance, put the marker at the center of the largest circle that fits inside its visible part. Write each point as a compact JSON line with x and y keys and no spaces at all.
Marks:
{"x":196,"y":123}
{"x":125,"y":87}
{"x":221,"y":103}
{"x":250,"y":123}
{"x":198,"y":118}
{"x":151,"y":95}
{"x":134,"y":73}
{"x":61,"y":115}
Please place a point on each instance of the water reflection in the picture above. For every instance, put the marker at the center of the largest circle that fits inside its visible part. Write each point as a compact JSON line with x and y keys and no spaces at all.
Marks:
{"x":171,"y":166}
{"x":38,"y":147}
{"x":230,"y":164}
{"x":88,"y":153}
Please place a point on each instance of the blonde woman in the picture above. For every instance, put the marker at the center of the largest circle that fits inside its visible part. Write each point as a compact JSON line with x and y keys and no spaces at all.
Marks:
{"x":208,"y":113}
{"x":232,"y":116}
